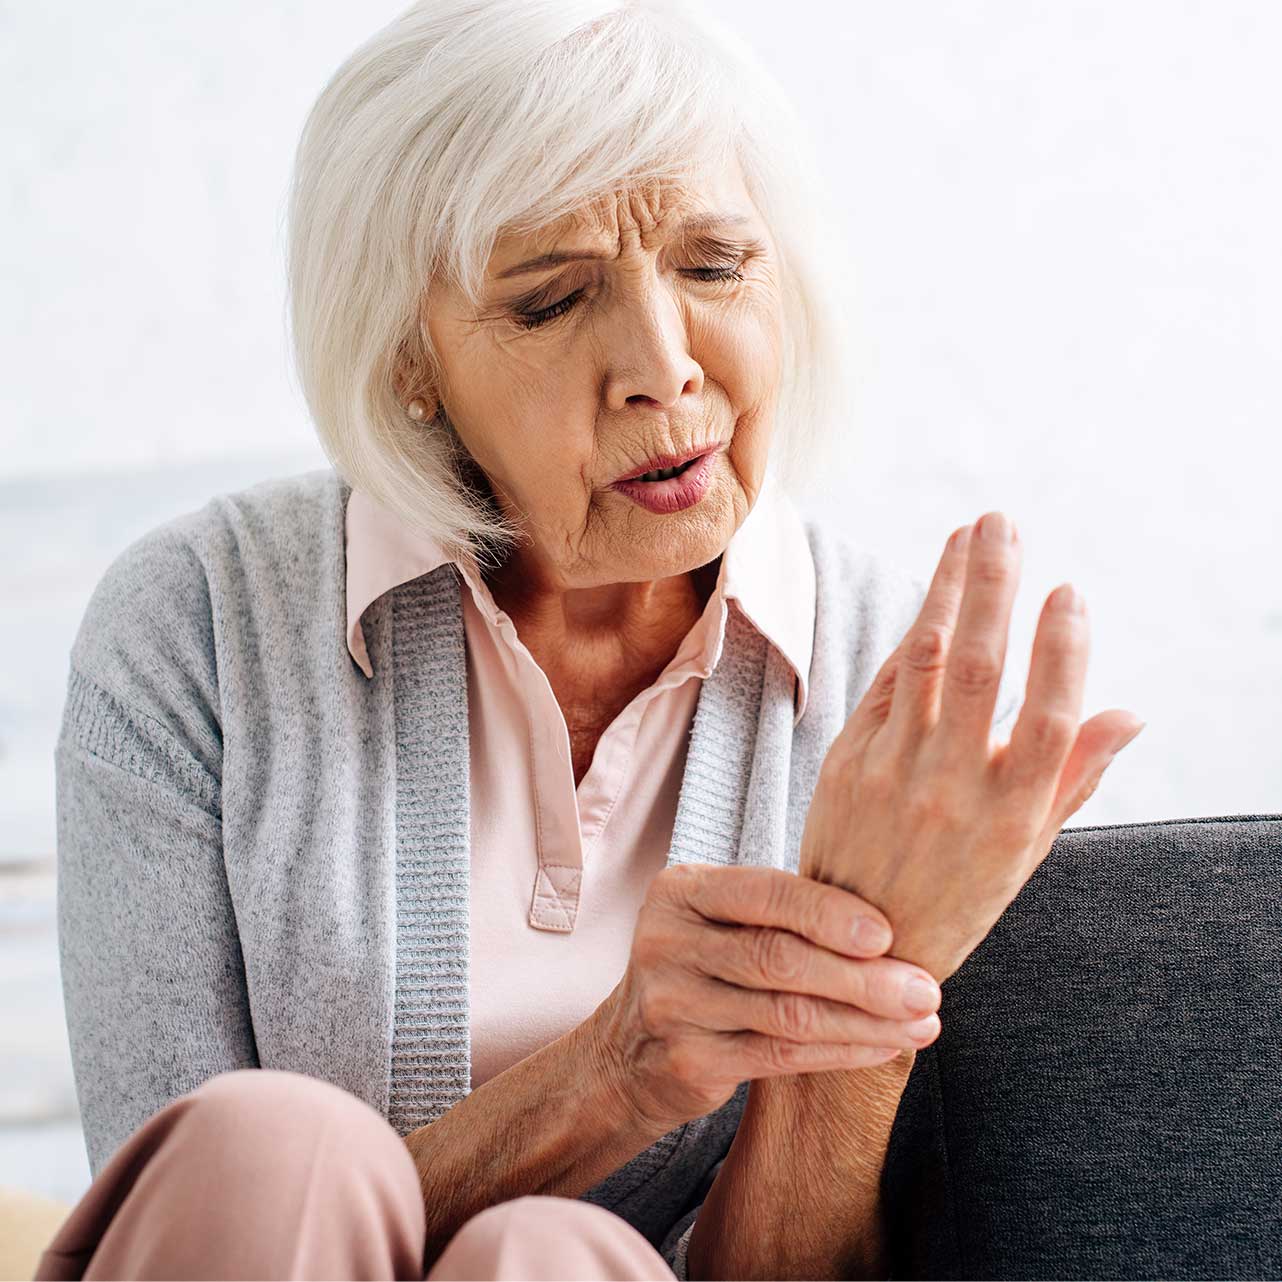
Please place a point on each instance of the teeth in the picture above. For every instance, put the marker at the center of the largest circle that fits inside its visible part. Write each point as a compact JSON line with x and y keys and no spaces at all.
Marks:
{"x":663,"y":474}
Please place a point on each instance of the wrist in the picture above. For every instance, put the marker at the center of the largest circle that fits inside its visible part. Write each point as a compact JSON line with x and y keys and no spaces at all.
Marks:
{"x":610,"y":1082}
{"x":842,"y":1117}
{"x":928,"y":949}
{"x":809,"y":1148}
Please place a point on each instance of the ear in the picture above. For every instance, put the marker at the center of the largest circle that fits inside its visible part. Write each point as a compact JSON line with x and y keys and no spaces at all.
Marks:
{"x":410,"y":377}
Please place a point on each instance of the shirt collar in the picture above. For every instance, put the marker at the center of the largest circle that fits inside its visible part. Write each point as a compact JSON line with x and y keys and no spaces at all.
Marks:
{"x":766,"y":567}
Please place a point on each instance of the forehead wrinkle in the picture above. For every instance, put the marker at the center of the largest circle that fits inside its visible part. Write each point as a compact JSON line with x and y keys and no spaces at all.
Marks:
{"x":643,"y":209}
{"x":603,"y":220}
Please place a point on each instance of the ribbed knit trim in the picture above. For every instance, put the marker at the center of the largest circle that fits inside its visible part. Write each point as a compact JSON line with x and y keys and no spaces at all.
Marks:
{"x":719,"y":759}
{"x":431,"y":1050}
{"x":102,"y":725}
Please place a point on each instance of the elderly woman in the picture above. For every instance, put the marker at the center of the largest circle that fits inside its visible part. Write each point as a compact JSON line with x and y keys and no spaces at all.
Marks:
{"x":530,"y":848}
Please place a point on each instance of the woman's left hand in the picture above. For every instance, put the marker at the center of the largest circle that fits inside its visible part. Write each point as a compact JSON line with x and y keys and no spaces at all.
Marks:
{"x":915,"y":810}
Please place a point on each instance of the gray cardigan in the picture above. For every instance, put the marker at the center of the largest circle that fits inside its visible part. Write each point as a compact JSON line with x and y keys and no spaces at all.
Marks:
{"x":256,"y":842}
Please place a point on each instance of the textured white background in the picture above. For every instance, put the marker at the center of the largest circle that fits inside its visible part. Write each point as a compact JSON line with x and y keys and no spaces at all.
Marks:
{"x":1065,"y":292}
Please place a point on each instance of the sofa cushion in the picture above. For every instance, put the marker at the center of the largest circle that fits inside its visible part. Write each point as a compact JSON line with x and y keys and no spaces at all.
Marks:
{"x":1105,"y":1097}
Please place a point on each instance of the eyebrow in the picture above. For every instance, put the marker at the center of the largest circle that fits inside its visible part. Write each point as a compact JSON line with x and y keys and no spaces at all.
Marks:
{"x":555,"y":257}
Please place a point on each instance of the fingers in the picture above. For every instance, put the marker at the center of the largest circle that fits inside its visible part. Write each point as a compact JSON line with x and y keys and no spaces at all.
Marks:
{"x":803,"y":1017}
{"x":977,"y":655}
{"x":1048,"y":723}
{"x":1098,"y":741}
{"x":764,"y":928}
{"x":758,"y":896}
{"x":923,"y":653}
{"x":778,"y":961}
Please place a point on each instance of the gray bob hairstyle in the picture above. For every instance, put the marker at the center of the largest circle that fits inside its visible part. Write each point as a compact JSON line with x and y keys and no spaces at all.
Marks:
{"x":464,"y":119}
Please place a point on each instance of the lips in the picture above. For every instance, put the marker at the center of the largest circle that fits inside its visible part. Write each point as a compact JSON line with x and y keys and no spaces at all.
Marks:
{"x":683,"y":489}
{"x":662,"y":461}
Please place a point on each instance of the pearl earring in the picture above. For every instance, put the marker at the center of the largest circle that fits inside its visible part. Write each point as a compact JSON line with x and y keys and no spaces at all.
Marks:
{"x":417,"y":409}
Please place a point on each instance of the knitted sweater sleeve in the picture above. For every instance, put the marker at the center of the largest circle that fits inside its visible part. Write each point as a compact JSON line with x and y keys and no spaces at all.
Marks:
{"x":152,"y":974}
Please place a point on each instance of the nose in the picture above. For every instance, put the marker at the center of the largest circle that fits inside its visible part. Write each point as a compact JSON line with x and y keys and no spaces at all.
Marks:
{"x":648,"y":360}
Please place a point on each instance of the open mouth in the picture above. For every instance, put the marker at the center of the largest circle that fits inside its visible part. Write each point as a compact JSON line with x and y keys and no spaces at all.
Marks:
{"x":666,"y":473}
{"x":671,"y":489}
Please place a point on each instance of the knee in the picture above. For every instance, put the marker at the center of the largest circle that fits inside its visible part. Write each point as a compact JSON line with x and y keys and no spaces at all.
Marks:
{"x":266,"y":1092}
{"x":282,"y":1117}
{"x":531,"y":1235}
{"x":539,"y":1216}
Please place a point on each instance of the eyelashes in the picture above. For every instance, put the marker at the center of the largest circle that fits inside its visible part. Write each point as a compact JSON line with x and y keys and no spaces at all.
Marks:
{"x":534,"y":319}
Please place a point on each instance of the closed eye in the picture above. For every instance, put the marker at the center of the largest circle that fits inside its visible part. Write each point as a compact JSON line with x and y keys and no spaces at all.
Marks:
{"x":532,"y":320}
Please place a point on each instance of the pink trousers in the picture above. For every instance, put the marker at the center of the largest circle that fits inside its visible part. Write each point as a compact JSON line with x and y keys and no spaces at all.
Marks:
{"x":262,"y":1173}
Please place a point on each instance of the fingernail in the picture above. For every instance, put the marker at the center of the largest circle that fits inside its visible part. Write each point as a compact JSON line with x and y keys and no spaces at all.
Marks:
{"x":870,"y":935}
{"x":1129,"y":738}
{"x":995,"y":527}
{"x":924,"y":1031}
{"x":921,"y":995}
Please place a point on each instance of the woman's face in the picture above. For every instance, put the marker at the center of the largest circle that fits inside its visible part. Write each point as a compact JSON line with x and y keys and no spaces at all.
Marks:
{"x":666,"y":343}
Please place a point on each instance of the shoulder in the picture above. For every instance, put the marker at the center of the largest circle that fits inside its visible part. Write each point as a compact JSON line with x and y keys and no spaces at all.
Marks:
{"x":159,"y":594}
{"x":149,"y":638}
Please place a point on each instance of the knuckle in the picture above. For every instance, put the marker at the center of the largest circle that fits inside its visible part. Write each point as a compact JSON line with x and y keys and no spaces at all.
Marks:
{"x":837,"y":768}
{"x":783,"y":1055}
{"x":992,"y":571}
{"x":1089,"y":791}
{"x":643,"y":945}
{"x":974,"y":670}
{"x":884,"y":685}
{"x":786,"y":957}
{"x":653,"y":1008}
{"x":776,"y":956}
{"x":685,"y":877}
{"x":1050,"y":732}
{"x":794,"y":1016}
{"x":684,"y":1064}
{"x":928,"y":804}
{"x":880,"y":778}
{"x":927,"y":648}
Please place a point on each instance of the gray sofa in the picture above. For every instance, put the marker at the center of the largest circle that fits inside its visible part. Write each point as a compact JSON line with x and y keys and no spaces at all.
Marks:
{"x":1105,"y":1098}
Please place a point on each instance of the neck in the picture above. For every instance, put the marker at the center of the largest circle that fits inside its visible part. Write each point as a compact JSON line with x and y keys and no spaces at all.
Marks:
{"x":600,"y":646}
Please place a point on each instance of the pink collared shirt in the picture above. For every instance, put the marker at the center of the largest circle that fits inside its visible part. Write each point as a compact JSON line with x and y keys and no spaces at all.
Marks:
{"x":559,"y":873}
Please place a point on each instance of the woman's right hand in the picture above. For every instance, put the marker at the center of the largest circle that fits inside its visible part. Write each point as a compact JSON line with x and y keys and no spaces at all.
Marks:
{"x":747,"y":971}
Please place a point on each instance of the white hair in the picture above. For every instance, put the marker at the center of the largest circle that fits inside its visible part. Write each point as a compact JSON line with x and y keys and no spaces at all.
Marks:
{"x":464,"y":119}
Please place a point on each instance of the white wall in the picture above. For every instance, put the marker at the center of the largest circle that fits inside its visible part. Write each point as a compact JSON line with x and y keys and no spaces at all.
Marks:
{"x":1067,"y":299}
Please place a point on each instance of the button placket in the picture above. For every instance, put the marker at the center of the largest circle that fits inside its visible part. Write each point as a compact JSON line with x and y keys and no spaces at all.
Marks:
{"x":554,"y":902}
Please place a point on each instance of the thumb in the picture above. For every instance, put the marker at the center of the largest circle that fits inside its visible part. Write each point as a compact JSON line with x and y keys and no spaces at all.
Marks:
{"x":1098,"y":741}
